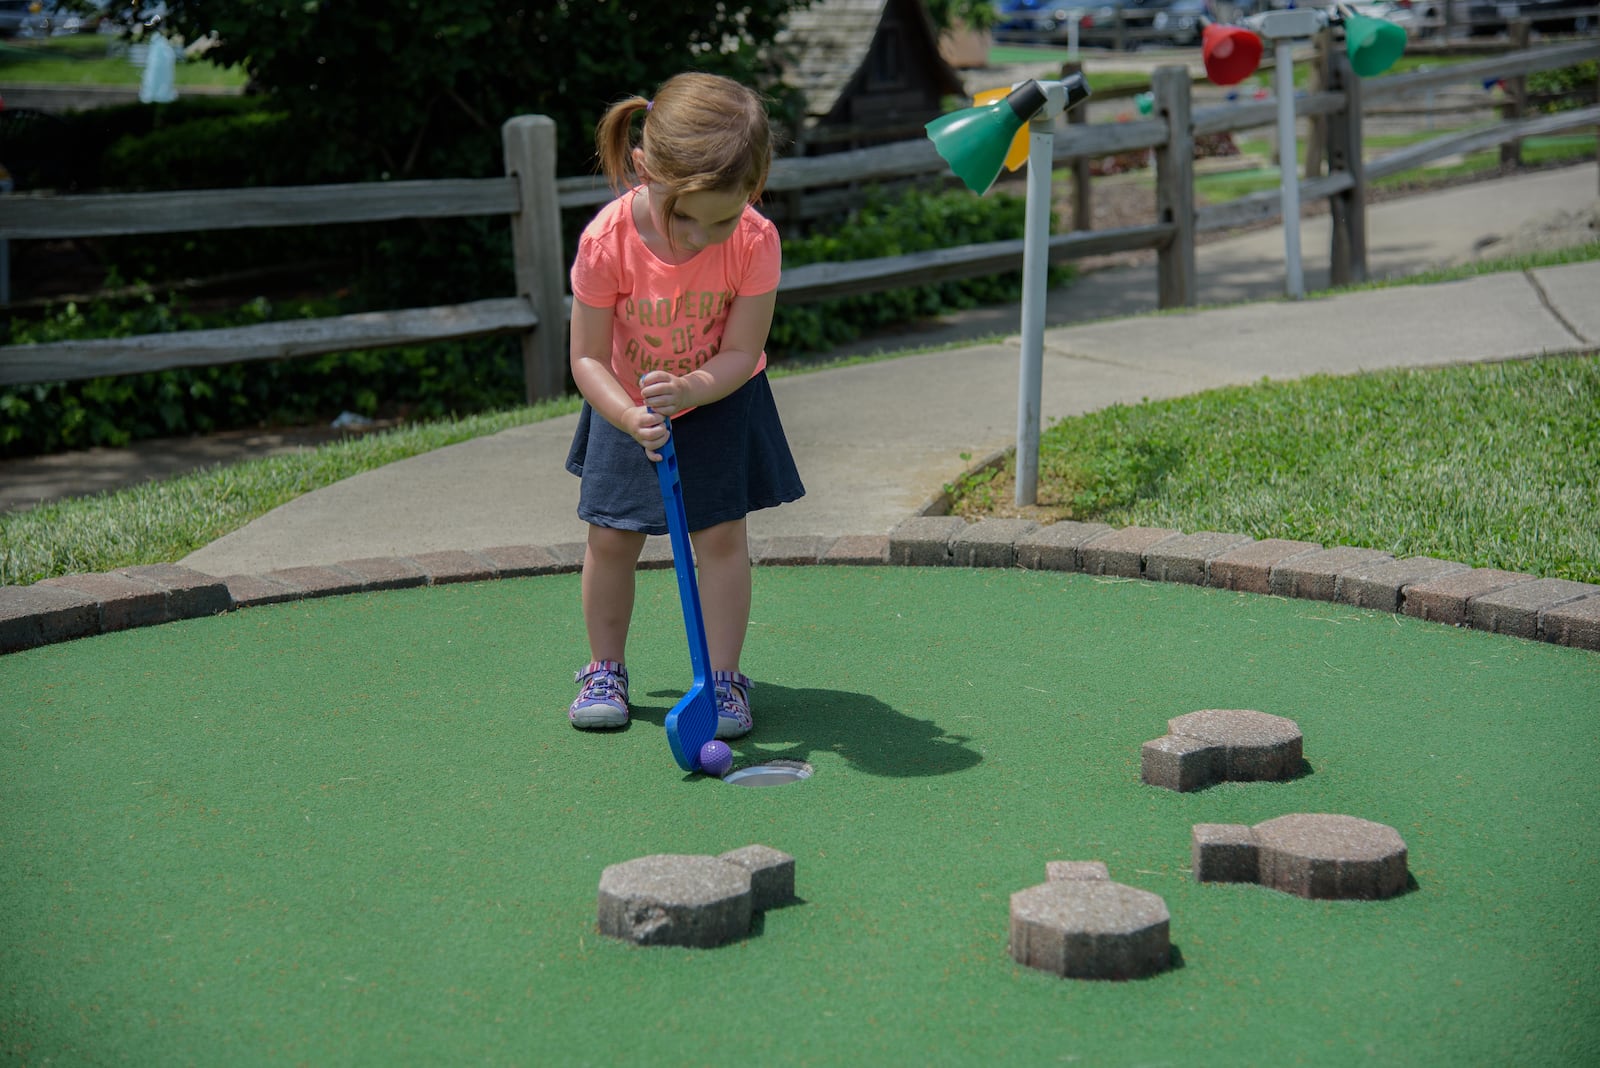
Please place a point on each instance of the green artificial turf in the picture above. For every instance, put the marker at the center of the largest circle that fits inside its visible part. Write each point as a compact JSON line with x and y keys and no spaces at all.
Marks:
{"x":359,"y":830}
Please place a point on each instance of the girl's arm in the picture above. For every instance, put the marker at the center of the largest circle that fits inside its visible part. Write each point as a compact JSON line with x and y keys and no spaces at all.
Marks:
{"x":749,"y":321}
{"x":591,"y":370}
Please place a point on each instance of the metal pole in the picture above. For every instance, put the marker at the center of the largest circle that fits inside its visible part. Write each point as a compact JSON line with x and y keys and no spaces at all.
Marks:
{"x":1289,"y":166}
{"x":1035,"y":272}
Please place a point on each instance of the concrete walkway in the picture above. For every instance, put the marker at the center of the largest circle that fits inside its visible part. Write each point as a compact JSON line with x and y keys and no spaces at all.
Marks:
{"x":875,"y":443}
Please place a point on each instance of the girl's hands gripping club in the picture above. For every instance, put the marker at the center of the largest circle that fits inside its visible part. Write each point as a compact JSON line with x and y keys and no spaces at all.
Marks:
{"x":665,"y":395}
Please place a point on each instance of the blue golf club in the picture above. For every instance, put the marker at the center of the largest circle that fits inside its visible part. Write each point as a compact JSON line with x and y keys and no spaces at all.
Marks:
{"x":693,"y":720}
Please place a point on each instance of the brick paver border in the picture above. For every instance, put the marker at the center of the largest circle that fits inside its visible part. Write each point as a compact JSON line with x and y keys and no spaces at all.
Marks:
{"x":1503,"y":602}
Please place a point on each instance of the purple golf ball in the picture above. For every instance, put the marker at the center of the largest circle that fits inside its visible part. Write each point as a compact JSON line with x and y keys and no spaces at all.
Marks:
{"x":716,"y":758}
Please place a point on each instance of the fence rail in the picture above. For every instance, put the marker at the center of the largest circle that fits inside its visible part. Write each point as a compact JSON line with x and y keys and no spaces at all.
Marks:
{"x":532,"y":198}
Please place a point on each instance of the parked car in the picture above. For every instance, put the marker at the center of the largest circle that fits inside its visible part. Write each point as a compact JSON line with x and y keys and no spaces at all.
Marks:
{"x":14,"y":15}
{"x":1144,"y":23}
{"x":48,"y":19}
{"x":1492,"y":16}
{"x":1044,"y":21}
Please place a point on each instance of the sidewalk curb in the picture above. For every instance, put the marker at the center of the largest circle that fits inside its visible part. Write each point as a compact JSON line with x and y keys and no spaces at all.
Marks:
{"x":1557,"y":611}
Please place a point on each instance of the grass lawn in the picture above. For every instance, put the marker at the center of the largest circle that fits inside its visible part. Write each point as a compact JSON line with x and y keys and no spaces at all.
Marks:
{"x":1536,"y":151}
{"x":97,"y":59}
{"x":1491,"y":464}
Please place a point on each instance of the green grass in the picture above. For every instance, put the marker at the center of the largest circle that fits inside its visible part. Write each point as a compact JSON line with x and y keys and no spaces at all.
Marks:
{"x":1490,"y":464}
{"x":159,"y":522}
{"x":95,"y":59}
{"x":1536,"y":151}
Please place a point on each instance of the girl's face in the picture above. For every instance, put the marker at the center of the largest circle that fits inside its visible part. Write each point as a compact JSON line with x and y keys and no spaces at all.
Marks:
{"x":699,"y":220}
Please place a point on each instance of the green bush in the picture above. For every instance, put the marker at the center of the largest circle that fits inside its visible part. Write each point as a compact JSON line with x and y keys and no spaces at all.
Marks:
{"x":1564,"y":89}
{"x":916,"y":222}
{"x":420,"y":381}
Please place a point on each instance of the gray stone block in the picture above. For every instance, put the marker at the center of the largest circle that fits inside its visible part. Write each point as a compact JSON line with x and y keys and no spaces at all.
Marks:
{"x":317,"y":581}
{"x":1445,"y":599}
{"x":568,"y":556}
{"x":1515,"y":609}
{"x":989,"y":542}
{"x":1383,"y":585}
{"x":1576,"y":623}
{"x":863,"y":550}
{"x":1312,"y":855}
{"x":675,"y":900}
{"x":1179,"y":763}
{"x":657,"y":554}
{"x":787,"y":551}
{"x":386,"y":572}
{"x":454,"y":565}
{"x":1057,"y":546}
{"x":771,"y":874}
{"x":1217,"y":744}
{"x":250,"y":590}
{"x":1224,"y":853}
{"x":1314,"y":576}
{"x":190,"y":593}
{"x":924,"y":541}
{"x":1090,"y":929}
{"x":123,"y":601}
{"x":1249,"y":567}
{"x":1187,"y":558}
{"x":1122,"y":552}
{"x":40,"y":615}
{"x":521,"y":561}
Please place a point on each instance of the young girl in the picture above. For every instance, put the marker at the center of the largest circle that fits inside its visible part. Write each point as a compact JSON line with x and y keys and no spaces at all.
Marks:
{"x":673,"y":290}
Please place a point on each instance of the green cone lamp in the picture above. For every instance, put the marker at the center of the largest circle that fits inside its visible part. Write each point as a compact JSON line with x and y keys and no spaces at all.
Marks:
{"x":1372,"y":44}
{"x":974,"y":141}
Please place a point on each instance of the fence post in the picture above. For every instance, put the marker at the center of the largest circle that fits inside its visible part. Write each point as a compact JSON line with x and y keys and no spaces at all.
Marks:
{"x":1516,"y":95}
{"x":1175,"y":266}
{"x":1082,"y":208}
{"x":530,"y":151}
{"x":1347,"y":261}
{"x":1321,"y":79}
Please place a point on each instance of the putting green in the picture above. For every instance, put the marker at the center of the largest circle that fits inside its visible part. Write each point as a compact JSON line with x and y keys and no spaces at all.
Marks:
{"x":360,"y":830}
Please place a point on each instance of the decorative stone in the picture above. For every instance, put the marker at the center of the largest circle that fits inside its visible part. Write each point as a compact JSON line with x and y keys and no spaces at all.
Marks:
{"x":675,"y":900}
{"x":771,"y":874}
{"x":1312,"y":855}
{"x":1225,"y":853}
{"x":1222,"y":744}
{"x":1085,"y":926}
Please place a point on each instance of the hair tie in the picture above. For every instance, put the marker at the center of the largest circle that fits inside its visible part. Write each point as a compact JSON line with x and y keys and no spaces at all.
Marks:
{"x":649,"y":104}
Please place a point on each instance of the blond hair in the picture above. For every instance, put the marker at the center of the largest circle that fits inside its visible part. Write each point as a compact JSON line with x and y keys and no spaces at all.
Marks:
{"x":702,"y":133}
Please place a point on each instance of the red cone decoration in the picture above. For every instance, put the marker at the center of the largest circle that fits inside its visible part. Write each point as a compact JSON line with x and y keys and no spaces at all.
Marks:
{"x":1231,"y":53}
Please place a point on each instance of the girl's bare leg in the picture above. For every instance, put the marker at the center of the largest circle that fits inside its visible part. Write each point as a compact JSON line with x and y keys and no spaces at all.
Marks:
{"x":608,"y":588}
{"x":723,"y":554}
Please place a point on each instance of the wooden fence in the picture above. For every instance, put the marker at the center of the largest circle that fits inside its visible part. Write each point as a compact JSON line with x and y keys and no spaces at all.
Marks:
{"x":532,"y":197}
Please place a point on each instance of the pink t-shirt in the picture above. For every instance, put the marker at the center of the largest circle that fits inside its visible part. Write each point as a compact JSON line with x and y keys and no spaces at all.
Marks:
{"x":669,"y":316}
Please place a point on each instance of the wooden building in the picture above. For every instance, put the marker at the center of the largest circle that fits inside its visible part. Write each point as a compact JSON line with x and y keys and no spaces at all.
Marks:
{"x":870,"y":72}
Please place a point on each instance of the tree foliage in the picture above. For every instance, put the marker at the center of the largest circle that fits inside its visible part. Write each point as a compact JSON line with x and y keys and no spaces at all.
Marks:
{"x":412,"y":89}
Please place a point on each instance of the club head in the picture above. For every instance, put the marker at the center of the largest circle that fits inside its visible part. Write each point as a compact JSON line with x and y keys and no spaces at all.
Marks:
{"x":691,"y":724}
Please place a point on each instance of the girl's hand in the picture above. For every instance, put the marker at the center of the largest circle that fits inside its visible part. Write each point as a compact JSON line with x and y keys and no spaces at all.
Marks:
{"x":649,"y":429}
{"x":666,"y":393}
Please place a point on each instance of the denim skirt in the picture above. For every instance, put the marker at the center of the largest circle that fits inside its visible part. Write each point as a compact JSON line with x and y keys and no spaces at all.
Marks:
{"x":732,"y":460}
